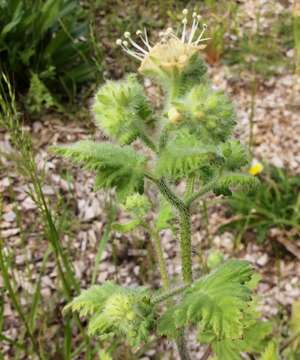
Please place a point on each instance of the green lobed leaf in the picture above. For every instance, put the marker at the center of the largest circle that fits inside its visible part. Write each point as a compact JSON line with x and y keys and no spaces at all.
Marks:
{"x":271,"y":352}
{"x":234,"y":154}
{"x":116,"y":167}
{"x":216,"y":302}
{"x":184,"y":156}
{"x":116,"y":311}
{"x":165,"y":216}
{"x":92,"y":299}
{"x":236,"y":180}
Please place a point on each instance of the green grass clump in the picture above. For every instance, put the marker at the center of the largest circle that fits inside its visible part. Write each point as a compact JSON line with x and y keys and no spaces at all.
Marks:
{"x":48,"y":40}
{"x":263,"y":51}
{"x":275,"y":204}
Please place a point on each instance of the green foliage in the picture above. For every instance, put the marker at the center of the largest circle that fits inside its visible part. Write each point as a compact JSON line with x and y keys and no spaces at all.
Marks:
{"x":126,"y":227}
{"x":235,"y":180}
{"x":292,"y":352}
{"x":214,"y":259}
{"x":114,"y":310}
{"x":274,"y":204}
{"x":116,"y":167}
{"x":122,"y":110}
{"x":103,"y":355}
{"x":234,"y":154}
{"x":271,"y":352}
{"x":296,"y":31}
{"x":38,"y":96}
{"x":165,"y":216}
{"x":216,"y":301}
{"x":221,"y":306}
{"x":263,"y":50}
{"x":185,"y":156}
{"x":48,"y":38}
{"x":208,"y":114}
{"x":295,"y":323}
{"x":138,"y":205}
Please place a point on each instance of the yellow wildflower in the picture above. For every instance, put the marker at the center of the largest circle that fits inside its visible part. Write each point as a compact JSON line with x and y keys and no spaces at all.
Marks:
{"x":256,"y":168}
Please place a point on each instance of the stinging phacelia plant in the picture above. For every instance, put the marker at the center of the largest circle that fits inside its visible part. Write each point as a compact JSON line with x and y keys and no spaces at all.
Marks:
{"x":189,"y":140}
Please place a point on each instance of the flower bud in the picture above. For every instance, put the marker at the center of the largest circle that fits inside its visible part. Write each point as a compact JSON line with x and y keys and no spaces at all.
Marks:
{"x":118,"y":106}
{"x":174,"y":115}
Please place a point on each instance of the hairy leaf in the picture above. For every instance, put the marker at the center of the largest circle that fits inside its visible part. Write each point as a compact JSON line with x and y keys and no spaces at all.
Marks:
{"x":92,"y":299}
{"x":116,"y":167}
{"x":235,"y":180}
{"x":271,"y":352}
{"x":116,"y":311}
{"x":185,"y":155}
{"x":216,"y":302}
{"x":234,"y":154}
{"x":165,"y":216}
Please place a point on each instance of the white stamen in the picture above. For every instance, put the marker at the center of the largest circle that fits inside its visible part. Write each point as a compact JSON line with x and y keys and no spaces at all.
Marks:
{"x":204,"y":39}
{"x":137,"y":46}
{"x":194,"y":27}
{"x":131,"y":52}
{"x":139,"y":33}
{"x":184,"y":21}
{"x":127,"y":35}
{"x":204,"y":27}
{"x":187,"y":37}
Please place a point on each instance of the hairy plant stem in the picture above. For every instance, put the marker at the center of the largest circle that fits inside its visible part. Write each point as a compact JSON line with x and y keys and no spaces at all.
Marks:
{"x":185,"y":229}
{"x":182,"y":348}
{"x":169,"y":294}
{"x":185,"y":250}
{"x":186,"y":245}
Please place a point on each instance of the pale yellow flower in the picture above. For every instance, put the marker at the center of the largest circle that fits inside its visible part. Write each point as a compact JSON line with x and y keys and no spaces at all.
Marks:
{"x":173,"y":51}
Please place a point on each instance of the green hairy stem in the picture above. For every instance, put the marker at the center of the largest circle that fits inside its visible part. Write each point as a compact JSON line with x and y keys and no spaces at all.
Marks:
{"x":185,"y":245}
{"x":169,"y":294}
{"x":185,"y":229}
{"x":182,"y":348}
{"x":185,"y":251}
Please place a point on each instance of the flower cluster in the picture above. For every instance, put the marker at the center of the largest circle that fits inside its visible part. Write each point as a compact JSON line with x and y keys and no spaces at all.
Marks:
{"x":189,"y":38}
